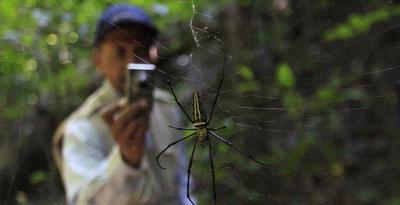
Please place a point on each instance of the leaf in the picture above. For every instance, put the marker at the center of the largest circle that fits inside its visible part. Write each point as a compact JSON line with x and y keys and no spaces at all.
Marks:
{"x":327,"y":94}
{"x":337,"y":169}
{"x":14,"y":111}
{"x":358,"y":24}
{"x":284,"y":75}
{"x":248,"y":86}
{"x":294,"y":103}
{"x":38,"y":177}
{"x":246,"y":72}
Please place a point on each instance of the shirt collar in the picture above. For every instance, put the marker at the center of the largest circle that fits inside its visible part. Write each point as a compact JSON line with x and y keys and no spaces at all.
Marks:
{"x":110,"y":93}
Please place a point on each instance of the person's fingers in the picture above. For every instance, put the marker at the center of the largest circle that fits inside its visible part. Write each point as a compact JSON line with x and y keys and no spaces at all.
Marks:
{"x":135,"y":131}
{"x":132,"y":141}
{"x":136,"y":110}
{"x":140,"y":133}
{"x":125,"y":120}
{"x":108,"y":113}
{"x":128,"y":134}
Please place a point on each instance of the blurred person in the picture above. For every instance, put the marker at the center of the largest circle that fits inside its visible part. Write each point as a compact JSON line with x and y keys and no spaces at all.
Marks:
{"x":106,"y":149}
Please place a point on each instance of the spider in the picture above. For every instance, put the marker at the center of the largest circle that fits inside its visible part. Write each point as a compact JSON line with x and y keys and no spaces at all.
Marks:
{"x":202,"y":133}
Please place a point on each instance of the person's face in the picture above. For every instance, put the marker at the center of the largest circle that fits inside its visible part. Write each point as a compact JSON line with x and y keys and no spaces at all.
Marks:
{"x":120,"y":47}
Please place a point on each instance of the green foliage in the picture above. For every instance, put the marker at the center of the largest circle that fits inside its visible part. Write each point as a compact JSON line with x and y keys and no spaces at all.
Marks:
{"x":248,"y":87}
{"x":392,"y":201}
{"x":21,"y":198}
{"x":38,"y":177}
{"x":294,"y":103}
{"x":15,"y":111}
{"x":244,"y":2}
{"x":358,"y":24}
{"x":327,"y":94}
{"x":284,"y":76}
{"x":246,"y":72}
{"x":249,"y":83}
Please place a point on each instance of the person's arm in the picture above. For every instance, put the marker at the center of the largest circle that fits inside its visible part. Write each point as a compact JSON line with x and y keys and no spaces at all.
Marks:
{"x":92,"y":177}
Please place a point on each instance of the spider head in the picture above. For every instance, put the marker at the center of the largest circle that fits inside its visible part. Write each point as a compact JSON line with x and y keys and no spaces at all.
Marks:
{"x":201,"y":133}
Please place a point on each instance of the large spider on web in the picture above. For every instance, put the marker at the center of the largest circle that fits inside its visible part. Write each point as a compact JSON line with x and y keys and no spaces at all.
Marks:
{"x":202,"y":133}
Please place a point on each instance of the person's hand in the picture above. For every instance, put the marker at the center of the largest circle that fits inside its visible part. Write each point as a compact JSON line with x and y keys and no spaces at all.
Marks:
{"x":128,"y":124}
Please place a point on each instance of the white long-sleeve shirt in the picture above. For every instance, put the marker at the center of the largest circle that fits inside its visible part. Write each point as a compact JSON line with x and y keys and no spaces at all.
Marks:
{"x":93,"y":170}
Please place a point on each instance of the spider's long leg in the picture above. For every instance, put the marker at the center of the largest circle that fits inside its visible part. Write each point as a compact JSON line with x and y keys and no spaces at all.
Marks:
{"x":181,"y":128}
{"x":218,"y":128}
{"x":212,"y":170}
{"x":237,"y":149}
{"x":188,"y":171}
{"x":177,"y":102}
{"x":215,"y":101}
{"x":165,"y":149}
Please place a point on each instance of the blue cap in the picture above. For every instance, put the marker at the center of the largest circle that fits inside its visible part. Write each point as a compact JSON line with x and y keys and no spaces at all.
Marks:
{"x":119,"y":14}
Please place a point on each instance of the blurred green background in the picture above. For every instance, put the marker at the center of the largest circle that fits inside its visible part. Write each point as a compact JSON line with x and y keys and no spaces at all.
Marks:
{"x":311,"y":87}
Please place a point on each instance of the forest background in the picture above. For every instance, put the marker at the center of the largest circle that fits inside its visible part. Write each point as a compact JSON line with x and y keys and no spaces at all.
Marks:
{"x":311,"y":87}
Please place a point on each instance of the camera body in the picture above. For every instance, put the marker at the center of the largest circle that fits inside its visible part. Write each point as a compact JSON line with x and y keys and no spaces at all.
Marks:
{"x":139,"y":84}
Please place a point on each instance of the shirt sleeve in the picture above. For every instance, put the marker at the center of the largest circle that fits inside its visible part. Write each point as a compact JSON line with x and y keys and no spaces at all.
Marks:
{"x":93,"y":176}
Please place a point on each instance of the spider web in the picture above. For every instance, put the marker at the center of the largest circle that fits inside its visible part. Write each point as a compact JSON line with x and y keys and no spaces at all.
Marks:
{"x":261,"y":123}
{"x":234,"y":173}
